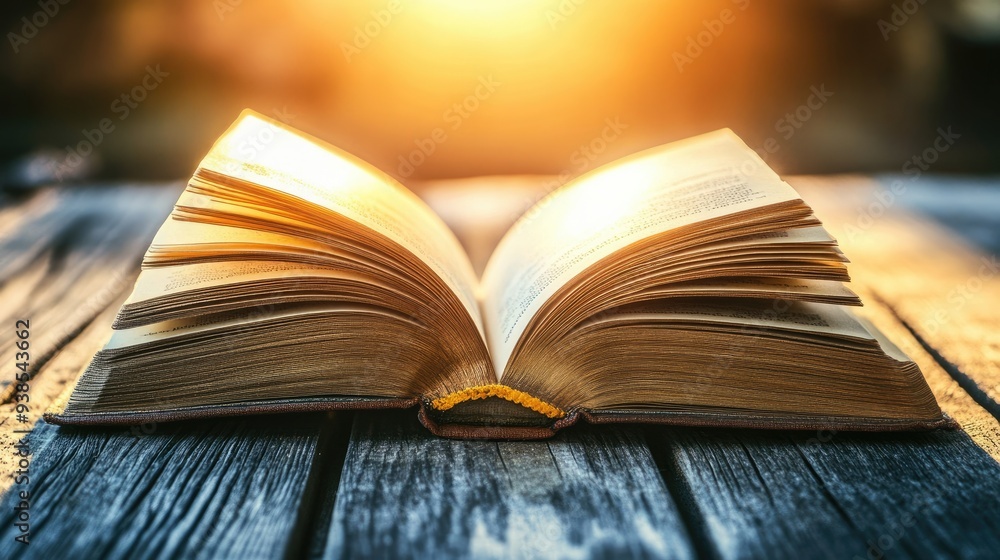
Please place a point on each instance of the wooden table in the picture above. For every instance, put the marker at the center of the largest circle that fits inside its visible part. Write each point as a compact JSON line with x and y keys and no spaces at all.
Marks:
{"x":377,"y":484}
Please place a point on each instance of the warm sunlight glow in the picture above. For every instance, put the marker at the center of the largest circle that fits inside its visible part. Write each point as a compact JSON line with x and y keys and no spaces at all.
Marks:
{"x":593,"y":209}
{"x":429,"y":89}
{"x":492,"y":73}
{"x":482,"y":15}
{"x":256,"y":145}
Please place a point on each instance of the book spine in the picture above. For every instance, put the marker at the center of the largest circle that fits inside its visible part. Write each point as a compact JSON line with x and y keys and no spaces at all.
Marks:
{"x":501,"y":391}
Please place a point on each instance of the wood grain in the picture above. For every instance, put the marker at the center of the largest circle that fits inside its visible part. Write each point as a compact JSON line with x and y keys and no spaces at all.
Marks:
{"x":212,"y":489}
{"x":982,"y":426}
{"x":901,"y":264}
{"x":70,"y":255}
{"x":756,"y":494}
{"x":246,"y":487}
{"x":593,"y":492}
{"x":226,"y":489}
{"x":56,"y":377}
{"x":67,"y":261}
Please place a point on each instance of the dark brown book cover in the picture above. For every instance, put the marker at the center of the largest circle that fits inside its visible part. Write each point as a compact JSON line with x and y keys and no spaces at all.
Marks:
{"x":497,"y":418}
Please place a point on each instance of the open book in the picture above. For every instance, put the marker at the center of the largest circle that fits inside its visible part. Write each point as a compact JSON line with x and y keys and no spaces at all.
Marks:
{"x":684,"y":284}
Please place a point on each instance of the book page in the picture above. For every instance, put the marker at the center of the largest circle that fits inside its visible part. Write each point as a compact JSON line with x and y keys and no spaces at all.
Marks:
{"x":169,"y":280}
{"x":174,"y":233}
{"x":265,"y":152}
{"x":778,"y":288}
{"x":746,"y":315}
{"x":652,"y":192}
{"x":164,"y":330}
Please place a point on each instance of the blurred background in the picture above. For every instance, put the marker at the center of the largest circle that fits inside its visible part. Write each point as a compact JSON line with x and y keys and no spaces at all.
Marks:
{"x":430,"y":89}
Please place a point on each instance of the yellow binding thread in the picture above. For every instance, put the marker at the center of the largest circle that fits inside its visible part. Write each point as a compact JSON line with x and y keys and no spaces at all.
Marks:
{"x":497,"y":390}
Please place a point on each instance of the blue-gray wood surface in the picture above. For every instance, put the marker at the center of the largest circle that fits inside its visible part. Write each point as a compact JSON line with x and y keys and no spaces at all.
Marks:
{"x":376,"y":484}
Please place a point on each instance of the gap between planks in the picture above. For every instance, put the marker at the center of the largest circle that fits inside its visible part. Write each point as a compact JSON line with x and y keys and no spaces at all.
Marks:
{"x":948,"y":397}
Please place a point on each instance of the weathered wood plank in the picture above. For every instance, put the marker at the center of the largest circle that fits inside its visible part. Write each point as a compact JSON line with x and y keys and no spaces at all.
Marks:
{"x":966,"y":205}
{"x":52,"y":380}
{"x":980,"y":424}
{"x":757,"y":494}
{"x":67,"y":259}
{"x":775,"y":494}
{"x":228,"y":488}
{"x":591,"y":492}
{"x":823,"y":494}
{"x":73,"y":253}
{"x":889,"y":263}
{"x":13,"y":216}
{"x":848,"y":495}
{"x":405,"y":492}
